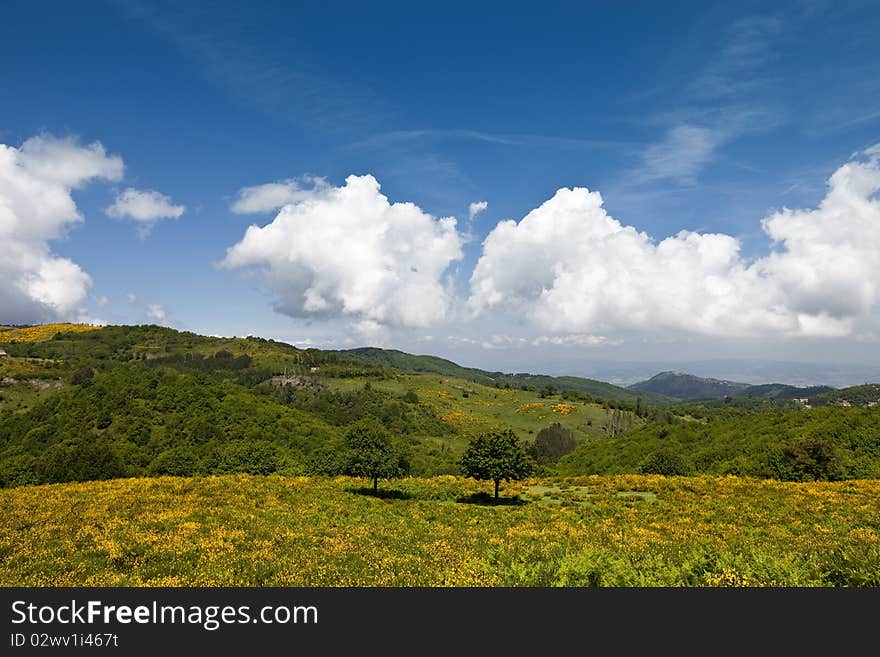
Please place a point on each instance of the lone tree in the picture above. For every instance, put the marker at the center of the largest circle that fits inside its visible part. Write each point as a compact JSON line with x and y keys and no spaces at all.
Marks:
{"x":370,"y":453}
{"x":496,"y":456}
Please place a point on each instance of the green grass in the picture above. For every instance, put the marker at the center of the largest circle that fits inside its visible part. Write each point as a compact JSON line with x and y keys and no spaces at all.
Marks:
{"x":240,"y":530}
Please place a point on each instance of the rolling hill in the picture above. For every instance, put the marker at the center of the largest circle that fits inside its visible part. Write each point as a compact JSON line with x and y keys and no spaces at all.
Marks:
{"x":400,"y":360}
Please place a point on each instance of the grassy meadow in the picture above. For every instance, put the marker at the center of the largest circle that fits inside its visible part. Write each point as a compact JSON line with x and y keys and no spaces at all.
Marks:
{"x":627,"y":530}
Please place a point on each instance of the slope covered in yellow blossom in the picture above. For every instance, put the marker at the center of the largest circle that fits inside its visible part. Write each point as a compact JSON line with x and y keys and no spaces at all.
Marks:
{"x":628,"y":530}
{"x":41,"y":333}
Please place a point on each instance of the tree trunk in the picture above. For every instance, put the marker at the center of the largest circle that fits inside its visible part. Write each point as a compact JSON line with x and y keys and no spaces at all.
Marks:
{"x":497,"y":481}
{"x":375,"y":485}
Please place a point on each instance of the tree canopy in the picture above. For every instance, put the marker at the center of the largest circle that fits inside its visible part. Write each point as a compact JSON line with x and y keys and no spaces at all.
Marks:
{"x":496,"y":456}
{"x":371,"y":453}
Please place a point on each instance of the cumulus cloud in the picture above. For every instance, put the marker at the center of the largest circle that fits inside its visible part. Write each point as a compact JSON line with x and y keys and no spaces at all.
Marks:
{"x":66,"y":163}
{"x":272,"y":196}
{"x":476,"y":208}
{"x":573,"y":268}
{"x":36,"y":207}
{"x":144,"y":206}
{"x":348,"y":251}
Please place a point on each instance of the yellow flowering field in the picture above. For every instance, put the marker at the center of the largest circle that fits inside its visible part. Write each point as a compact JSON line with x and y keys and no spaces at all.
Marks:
{"x":42,"y":332}
{"x":629,"y":530}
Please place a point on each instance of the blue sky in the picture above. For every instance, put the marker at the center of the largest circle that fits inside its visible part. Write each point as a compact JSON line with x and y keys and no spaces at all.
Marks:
{"x":691,"y":116}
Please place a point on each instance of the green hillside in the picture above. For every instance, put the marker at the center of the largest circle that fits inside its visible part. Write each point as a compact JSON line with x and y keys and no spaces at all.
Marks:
{"x":146,"y":400}
{"x":862,"y":395}
{"x":822,"y":443}
{"x":410,"y":363}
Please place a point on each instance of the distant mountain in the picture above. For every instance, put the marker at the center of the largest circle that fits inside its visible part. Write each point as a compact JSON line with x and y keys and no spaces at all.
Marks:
{"x":433,"y":364}
{"x":691,"y":387}
{"x":688,"y":386}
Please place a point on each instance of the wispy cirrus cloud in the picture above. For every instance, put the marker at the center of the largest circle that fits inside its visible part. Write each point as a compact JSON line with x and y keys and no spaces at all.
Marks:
{"x":384,"y":139}
{"x":217,"y":41}
{"x":721,"y":103}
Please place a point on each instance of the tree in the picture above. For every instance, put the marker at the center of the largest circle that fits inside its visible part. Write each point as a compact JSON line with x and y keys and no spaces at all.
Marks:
{"x":498,"y":456}
{"x":370,"y":453}
{"x":552,"y":443}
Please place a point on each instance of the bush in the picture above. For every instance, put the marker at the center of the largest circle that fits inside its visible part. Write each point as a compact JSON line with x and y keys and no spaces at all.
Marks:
{"x":252,"y":457}
{"x":177,"y":462}
{"x":664,"y":462}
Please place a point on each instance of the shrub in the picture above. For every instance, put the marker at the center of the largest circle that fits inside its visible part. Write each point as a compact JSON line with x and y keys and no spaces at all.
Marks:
{"x":664,"y":462}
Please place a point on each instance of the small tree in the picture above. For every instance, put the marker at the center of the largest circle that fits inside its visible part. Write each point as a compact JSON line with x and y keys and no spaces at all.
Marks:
{"x":370,"y":453}
{"x":552,"y":443}
{"x":496,"y":456}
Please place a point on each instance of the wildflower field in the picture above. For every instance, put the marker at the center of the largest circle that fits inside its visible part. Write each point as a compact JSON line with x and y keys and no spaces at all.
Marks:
{"x":627,"y":530}
{"x":41,"y":333}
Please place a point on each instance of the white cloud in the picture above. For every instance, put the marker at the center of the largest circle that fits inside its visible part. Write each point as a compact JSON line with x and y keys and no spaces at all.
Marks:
{"x":348,"y":251}
{"x":476,"y":208}
{"x":131,"y":296}
{"x":156,"y":312}
{"x":272,"y":196}
{"x":36,"y":207}
{"x":103,"y":301}
{"x":145,"y":207}
{"x":572,"y":268}
{"x":66,"y":163}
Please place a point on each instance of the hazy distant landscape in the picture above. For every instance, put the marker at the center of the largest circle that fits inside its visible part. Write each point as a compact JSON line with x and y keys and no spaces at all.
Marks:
{"x":751,"y":371}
